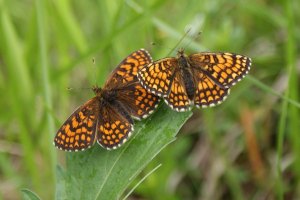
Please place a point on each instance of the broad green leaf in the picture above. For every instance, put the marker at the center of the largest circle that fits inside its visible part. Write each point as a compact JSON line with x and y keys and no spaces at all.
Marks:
{"x":101,"y":174}
{"x":60,"y":183}
{"x":29,"y":195}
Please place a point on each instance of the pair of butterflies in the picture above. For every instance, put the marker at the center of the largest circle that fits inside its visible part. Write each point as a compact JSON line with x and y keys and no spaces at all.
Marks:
{"x":134,"y":88}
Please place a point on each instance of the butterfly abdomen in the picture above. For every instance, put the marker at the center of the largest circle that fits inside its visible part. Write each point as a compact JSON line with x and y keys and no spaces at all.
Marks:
{"x":109,"y":98}
{"x":123,"y":110}
{"x":187,"y":77}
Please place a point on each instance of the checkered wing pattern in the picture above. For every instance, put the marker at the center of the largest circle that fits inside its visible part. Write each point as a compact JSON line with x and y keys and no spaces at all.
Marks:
{"x":225,"y":69}
{"x":178,"y":99}
{"x":113,"y":127}
{"x":127,"y":70}
{"x":131,"y":100}
{"x":78,"y":132}
{"x":157,"y":76}
{"x":140,"y":103}
{"x":208,"y":93}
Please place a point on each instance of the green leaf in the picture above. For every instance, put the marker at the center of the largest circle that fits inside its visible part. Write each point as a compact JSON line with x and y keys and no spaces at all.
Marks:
{"x":61,"y":183}
{"x":29,"y":195}
{"x":101,"y":174}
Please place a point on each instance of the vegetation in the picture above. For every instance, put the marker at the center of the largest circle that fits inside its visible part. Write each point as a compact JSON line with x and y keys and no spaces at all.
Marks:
{"x":246,"y":148}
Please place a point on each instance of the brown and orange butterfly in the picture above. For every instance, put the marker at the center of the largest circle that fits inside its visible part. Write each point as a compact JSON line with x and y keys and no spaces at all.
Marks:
{"x":108,"y":117}
{"x":200,"y":79}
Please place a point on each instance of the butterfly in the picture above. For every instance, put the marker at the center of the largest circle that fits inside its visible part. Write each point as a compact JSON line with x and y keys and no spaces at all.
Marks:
{"x":201,"y":79}
{"x":108,"y":118}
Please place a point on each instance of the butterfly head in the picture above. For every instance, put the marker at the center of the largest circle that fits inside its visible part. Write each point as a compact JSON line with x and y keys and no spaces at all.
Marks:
{"x":97,"y":90}
{"x":180,"y":53}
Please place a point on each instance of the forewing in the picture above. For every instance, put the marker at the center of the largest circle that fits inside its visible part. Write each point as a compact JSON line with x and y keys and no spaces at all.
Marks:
{"x":113,"y":128}
{"x":157,"y":76}
{"x":126,"y":71}
{"x":225,"y":69}
{"x":78,"y":132}
{"x":178,"y":99}
{"x":208,"y":93}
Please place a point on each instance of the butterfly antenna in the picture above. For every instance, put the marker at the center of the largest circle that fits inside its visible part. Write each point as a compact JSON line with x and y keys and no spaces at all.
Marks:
{"x":94,"y":74}
{"x":82,"y":88}
{"x":154,"y":44}
{"x":193,"y":39}
{"x":179,"y":42}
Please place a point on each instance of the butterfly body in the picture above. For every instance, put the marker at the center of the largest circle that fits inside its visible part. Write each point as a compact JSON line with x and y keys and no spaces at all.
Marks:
{"x":109,"y":97}
{"x":186,"y":73}
{"x":201,"y":79}
{"x":108,"y":117}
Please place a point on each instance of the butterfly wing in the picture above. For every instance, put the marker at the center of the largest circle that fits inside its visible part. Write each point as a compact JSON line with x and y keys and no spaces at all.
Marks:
{"x":114,"y":126}
{"x":138,"y":101}
{"x":208,"y":93}
{"x":225,"y":69}
{"x":178,"y":99}
{"x":78,"y":132}
{"x":125,"y":73}
{"x":157,"y":76}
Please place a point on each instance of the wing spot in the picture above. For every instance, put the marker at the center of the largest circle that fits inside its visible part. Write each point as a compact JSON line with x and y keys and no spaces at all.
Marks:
{"x":67,"y":128}
{"x":234,"y":75}
{"x":74,"y":123}
{"x":83,"y":137}
{"x":90,"y":123}
{"x":88,"y":139}
{"x":224,"y":75}
{"x":151,"y":103}
{"x":162,"y":84}
{"x":78,"y":131}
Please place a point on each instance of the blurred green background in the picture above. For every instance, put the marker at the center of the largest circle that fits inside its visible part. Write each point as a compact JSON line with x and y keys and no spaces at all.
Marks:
{"x":246,"y":148}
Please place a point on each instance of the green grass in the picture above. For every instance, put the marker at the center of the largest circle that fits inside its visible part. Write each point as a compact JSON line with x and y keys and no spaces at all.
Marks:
{"x":48,"y":46}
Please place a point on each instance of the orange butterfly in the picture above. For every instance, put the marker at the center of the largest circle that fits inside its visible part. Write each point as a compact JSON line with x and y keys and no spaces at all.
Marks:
{"x":108,"y":117}
{"x":200,"y":79}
